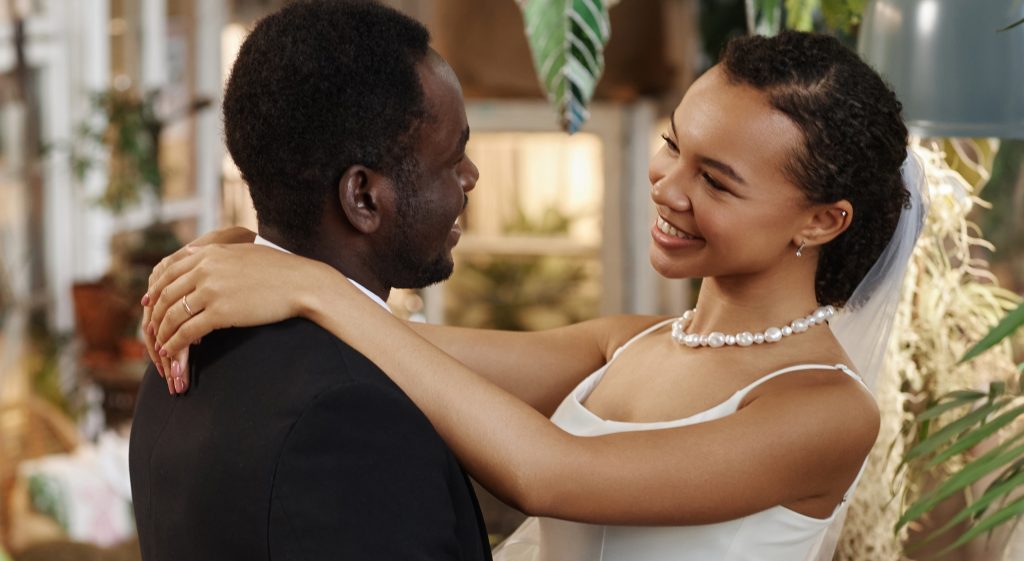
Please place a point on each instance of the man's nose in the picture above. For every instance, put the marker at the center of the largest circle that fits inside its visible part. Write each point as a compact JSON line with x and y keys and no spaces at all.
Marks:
{"x":470,"y":175}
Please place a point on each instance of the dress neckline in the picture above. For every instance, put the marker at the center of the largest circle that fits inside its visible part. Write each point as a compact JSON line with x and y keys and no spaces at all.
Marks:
{"x":585,"y":388}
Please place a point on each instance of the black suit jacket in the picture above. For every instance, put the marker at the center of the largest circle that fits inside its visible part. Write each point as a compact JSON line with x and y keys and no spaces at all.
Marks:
{"x":291,"y":445}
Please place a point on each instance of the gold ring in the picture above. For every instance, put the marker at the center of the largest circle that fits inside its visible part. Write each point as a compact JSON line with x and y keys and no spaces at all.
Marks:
{"x":188,"y":310}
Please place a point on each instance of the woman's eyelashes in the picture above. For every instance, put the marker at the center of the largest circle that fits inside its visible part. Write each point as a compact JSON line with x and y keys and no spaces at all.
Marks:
{"x":670,"y":143}
{"x":712,"y":182}
{"x":707,"y":177}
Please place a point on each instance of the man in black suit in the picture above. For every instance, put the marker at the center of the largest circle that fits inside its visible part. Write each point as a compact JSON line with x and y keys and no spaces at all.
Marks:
{"x":289,"y":444}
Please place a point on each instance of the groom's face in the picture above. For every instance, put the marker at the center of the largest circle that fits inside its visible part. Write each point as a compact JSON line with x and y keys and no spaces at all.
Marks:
{"x":430,"y":199}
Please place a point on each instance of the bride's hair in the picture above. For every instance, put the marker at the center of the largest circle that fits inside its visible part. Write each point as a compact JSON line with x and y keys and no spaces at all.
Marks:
{"x":854,"y":141}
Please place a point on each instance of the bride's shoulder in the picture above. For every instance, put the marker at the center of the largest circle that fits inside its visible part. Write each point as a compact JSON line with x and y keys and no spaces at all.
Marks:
{"x":618,"y":330}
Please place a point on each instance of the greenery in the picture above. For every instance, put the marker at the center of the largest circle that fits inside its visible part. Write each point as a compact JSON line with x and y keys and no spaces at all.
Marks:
{"x":976,"y":417}
{"x":130,"y":131}
{"x":837,"y":16}
{"x":567,"y":39}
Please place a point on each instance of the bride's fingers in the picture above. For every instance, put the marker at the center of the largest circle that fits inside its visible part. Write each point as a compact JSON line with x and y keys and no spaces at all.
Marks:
{"x":170,"y":272}
{"x":177,"y":315}
{"x":165,"y":264}
{"x":149,"y":338}
{"x":192,"y":329}
{"x":180,"y":371}
{"x":171,"y":299}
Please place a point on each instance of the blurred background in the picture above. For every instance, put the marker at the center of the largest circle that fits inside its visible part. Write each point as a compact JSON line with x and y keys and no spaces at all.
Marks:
{"x":111,"y":157}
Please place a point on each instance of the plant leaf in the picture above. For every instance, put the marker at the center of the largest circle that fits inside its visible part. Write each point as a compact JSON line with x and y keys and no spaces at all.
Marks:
{"x":1007,"y":513}
{"x":1010,"y":323}
{"x":948,"y":432}
{"x":959,"y":480}
{"x":990,"y":496}
{"x":964,"y":398}
{"x":1012,"y":25}
{"x":567,"y":39}
{"x":972,"y":438}
{"x":800,"y":14}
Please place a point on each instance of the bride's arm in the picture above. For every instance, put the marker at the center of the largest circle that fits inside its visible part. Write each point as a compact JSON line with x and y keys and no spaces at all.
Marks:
{"x":538,"y":367}
{"x":785,"y":446}
{"x":243,"y":284}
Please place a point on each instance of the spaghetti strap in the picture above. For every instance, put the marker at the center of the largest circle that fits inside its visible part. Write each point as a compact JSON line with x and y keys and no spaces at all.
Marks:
{"x":647,"y":331}
{"x":796,"y":368}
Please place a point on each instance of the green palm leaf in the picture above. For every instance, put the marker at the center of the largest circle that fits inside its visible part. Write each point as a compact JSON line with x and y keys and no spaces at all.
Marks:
{"x":994,"y":494}
{"x":1002,"y":516}
{"x":1012,"y":25}
{"x":1002,"y":330}
{"x":567,"y":39}
{"x":971,"y":473}
{"x":974,"y":437}
{"x":951,"y":431}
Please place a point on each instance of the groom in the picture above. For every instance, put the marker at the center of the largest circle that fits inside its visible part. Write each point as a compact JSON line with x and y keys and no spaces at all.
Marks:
{"x":350,"y":132}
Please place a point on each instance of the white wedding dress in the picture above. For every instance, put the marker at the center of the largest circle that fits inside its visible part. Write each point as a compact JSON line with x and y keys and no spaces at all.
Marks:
{"x":775,"y":534}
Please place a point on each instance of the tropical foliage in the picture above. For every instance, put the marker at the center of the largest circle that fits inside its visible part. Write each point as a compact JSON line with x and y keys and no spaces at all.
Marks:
{"x":972,"y":418}
{"x":567,"y":40}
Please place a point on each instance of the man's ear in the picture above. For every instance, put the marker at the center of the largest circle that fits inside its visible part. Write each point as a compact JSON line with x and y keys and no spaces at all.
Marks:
{"x":363,"y":193}
{"x":826,"y":224}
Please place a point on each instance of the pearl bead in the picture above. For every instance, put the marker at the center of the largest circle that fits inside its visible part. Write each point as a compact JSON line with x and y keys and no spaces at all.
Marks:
{"x":799,"y":326}
{"x":716,"y":339}
{"x":703,"y":340}
{"x":692,"y":340}
{"x":773,"y":335}
{"x":819,"y":315}
{"x":810,"y":320}
{"x":745,"y":339}
{"x":787,"y":331}
{"x":688,"y":315}
{"x":759,"y":338}
{"x":730,"y":340}
{"x":830,"y":311}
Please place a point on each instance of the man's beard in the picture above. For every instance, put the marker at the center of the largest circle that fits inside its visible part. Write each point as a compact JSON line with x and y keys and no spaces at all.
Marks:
{"x":407,"y":266}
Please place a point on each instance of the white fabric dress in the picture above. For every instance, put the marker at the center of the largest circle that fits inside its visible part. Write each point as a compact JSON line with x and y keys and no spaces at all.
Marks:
{"x":775,"y":534}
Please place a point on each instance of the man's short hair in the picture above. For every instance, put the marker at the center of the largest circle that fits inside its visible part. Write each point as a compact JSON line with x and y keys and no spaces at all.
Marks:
{"x":317,"y":87}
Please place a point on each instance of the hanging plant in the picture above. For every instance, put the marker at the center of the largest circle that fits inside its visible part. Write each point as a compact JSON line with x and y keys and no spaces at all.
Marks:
{"x":567,"y":39}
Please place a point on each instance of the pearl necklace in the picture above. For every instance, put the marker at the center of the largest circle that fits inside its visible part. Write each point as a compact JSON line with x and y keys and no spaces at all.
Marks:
{"x":746,"y":339}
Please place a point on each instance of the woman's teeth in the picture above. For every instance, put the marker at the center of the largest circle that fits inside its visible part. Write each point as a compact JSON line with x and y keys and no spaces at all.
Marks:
{"x":672,"y":231}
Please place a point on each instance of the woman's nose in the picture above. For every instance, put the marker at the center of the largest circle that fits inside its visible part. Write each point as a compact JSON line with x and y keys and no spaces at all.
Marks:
{"x":671,"y":194}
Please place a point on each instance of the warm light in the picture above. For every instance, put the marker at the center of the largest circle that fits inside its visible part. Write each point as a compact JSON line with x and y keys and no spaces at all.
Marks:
{"x":927,"y":16}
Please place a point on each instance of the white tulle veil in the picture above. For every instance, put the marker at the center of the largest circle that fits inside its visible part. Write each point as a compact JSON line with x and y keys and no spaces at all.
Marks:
{"x":864,"y":326}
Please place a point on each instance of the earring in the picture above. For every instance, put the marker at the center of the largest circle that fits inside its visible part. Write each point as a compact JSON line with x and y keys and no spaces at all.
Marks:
{"x":843,"y":212}
{"x":800,"y":250}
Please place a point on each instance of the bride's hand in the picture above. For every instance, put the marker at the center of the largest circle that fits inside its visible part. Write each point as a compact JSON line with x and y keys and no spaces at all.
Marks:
{"x":227,"y":286}
{"x":230,"y":235}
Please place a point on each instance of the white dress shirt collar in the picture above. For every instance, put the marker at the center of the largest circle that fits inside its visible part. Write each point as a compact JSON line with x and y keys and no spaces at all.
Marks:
{"x":263,"y":241}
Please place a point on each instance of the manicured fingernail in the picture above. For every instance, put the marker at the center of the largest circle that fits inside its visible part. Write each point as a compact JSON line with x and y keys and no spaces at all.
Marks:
{"x":176,"y":370}
{"x":178,"y":385}
{"x":145,"y":299}
{"x":163,"y":353}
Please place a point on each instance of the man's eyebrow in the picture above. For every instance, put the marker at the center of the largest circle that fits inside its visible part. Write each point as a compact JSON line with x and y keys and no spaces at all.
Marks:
{"x":711,"y":162}
{"x":463,"y":140}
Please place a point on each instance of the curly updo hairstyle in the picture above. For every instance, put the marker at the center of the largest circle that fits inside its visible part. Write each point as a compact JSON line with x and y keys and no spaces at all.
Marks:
{"x":854,"y":141}
{"x":317,"y":87}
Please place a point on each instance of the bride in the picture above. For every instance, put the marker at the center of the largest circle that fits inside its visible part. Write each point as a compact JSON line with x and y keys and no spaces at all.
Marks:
{"x":735,"y":432}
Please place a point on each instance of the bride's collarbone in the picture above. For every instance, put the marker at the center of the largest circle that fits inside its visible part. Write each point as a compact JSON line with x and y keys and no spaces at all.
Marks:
{"x":655,"y":379}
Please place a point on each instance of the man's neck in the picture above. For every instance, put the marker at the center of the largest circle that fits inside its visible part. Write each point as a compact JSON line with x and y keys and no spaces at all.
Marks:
{"x":343,"y":262}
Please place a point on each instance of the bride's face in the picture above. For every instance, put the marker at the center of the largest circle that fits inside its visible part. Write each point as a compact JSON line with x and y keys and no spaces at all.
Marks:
{"x":719,"y":187}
